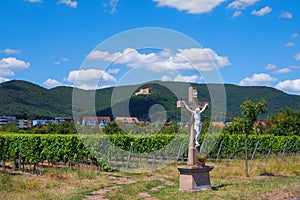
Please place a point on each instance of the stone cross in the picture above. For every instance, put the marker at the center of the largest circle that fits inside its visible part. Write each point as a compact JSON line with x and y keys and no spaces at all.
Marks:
{"x":192,"y":103}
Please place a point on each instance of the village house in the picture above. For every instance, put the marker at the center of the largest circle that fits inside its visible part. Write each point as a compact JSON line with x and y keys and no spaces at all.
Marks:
{"x":94,"y":121}
{"x":128,"y":120}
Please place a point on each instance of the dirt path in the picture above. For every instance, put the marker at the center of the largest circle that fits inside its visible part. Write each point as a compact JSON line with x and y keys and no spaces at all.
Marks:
{"x":100,"y":194}
{"x":147,"y":196}
{"x":294,"y":194}
{"x":119,"y":182}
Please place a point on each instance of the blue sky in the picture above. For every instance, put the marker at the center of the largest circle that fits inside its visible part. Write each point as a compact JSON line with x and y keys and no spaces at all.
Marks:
{"x":252,"y":42}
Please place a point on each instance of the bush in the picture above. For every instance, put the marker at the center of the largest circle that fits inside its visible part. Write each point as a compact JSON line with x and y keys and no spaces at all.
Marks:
{"x":9,"y":128}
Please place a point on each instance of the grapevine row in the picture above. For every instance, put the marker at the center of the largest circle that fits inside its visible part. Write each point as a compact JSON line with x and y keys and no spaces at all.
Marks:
{"x":33,"y":149}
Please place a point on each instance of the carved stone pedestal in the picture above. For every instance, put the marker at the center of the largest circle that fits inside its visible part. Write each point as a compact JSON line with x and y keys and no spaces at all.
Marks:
{"x":194,"y":178}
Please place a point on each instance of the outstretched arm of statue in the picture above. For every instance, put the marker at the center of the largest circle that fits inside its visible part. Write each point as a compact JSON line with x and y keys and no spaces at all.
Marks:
{"x":205,"y":106}
{"x":186,"y":106}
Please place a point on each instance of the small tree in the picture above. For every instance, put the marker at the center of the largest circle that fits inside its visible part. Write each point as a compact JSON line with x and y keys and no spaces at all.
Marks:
{"x":236,"y":127}
{"x":250,"y":110}
{"x":112,"y":128}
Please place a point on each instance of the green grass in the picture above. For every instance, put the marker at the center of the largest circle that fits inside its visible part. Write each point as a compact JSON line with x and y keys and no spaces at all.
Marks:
{"x":132,"y":190}
{"x":269,"y":179}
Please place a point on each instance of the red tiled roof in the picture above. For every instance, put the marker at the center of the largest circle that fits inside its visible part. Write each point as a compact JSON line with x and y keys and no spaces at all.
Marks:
{"x":220,"y":124}
{"x":96,"y":118}
{"x":128,"y":119}
{"x":259,"y":122}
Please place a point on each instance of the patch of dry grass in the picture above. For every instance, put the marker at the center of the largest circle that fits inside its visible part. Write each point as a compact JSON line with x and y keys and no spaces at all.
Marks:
{"x":276,"y":178}
{"x":269,"y":179}
{"x":56,"y":183}
{"x":287,"y":166}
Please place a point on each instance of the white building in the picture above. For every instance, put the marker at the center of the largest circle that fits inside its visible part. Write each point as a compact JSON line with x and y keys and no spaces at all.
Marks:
{"x":7,"y":120}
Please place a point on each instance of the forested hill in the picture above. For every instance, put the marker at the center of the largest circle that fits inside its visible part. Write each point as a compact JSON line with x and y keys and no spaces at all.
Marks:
{"x":19,"y":97}
{"x":276,"y":99}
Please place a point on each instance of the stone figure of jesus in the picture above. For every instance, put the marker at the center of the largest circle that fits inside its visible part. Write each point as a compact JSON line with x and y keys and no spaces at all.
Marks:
{"x":197,"y":121}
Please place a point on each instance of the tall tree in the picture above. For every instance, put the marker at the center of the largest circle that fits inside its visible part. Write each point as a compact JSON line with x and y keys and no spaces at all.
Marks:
{"x":286,"y":122}
{"x":250,"y":110}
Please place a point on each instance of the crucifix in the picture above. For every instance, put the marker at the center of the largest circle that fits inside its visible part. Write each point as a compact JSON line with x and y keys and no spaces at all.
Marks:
{"x":195,"y":108}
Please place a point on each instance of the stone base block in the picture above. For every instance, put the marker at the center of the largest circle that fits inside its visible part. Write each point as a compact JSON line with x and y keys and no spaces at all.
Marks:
{"x":194,"y":178}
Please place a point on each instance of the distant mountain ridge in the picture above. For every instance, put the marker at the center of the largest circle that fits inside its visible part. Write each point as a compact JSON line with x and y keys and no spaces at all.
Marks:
{"x":19,"y":97}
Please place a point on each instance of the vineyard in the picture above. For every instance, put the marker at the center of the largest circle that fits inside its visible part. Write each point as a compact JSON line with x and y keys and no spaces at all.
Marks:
{"x":99,"y":150}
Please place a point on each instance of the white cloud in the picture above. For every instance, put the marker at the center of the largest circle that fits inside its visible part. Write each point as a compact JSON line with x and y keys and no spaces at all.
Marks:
{"x":88,"y":79}
{"x":204,"y":59}
{"x":294,"y":67}
{"x":191,"y":6}
{"x":100,"y":55}
{"x":13,"y":63}
{"x":241,"y":4}
{"x":295,"y":35}
{"x":130,"y":57}
{"x":169,"y":65}
{"x":70,"y":3}
{"x":6,"y":72}
{"x":8,"y":65}
{"x":113,"y":71}
{"x":297,"y":56}
{"x":3,"y":79}
{"x":236,"y":14}
{"x":113,"y":4}
{"x":270,"y":66}
{"x":11,"y":51}
{"x":283,"y":70}
{"x":290,"y":44}
{"x":257,"y":79}
{"x":89,"y":75}
{"x":189,"y":79}
{"x":133,"y":58}
{"x":34,"y":1}
{"x":166,"y":78}
{"x":180,"y":78}
{"x":289,"y":85}
{"x":56,"y":63}
{"x":262,"y":11}
{"x":52,"y":83}
{"x":286,"y":15}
